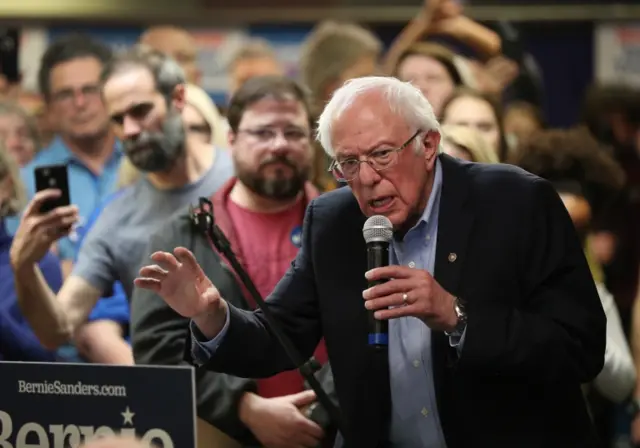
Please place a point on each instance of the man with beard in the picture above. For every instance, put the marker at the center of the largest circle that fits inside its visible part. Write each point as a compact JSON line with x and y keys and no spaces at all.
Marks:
{"x":260,"y":211}
{"x":144,"y":92}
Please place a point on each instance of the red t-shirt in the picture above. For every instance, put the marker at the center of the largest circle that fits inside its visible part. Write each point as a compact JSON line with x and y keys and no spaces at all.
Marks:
{"x":268,"y":243}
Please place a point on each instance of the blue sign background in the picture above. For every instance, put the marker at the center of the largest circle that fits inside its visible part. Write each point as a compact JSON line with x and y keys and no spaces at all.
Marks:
{"x":81,"y":398}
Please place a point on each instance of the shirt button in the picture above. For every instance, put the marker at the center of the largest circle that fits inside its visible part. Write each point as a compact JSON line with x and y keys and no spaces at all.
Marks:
{"x":428,"y":237}
{"x":412,"y":264}
{"x":416,"y":363}
{"x":424,"y":412}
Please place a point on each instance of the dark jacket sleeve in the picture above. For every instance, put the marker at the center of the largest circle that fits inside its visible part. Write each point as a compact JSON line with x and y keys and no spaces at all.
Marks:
{"x":556,"y":330}
{"x":159,"y":336}
{"x":293,"y":304}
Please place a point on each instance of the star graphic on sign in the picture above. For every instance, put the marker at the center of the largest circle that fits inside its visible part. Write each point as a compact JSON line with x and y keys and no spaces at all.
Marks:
{"x":127,"y":416}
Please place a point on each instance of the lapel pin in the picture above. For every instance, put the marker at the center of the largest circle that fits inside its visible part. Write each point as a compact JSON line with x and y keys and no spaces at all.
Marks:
{"x":452,"y":257}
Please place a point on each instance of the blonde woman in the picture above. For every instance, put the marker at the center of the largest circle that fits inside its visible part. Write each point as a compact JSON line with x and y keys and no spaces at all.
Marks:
{"x":18,"y":133}
{"x":466,"y":143}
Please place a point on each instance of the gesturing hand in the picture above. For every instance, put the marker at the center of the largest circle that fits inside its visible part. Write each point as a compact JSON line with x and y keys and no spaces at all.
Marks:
{"x":279,"y":422}
{"x":38,"y":231}
{"x":411,"y":292}
{"x":181,"y":282}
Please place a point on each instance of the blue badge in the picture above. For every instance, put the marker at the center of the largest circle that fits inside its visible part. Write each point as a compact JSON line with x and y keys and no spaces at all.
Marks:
{"x":296,"y":236}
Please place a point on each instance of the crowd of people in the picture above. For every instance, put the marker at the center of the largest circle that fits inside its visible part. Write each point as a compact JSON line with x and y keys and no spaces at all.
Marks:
{"x":142,"y":142}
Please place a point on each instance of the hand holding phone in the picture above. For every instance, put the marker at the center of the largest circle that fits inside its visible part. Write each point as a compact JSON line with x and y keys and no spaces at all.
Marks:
{"x":38,"y":231}
{"x":53,"y":177}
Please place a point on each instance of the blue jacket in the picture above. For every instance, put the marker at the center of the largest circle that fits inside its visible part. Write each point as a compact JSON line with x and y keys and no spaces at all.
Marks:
{"x":17,"y":340}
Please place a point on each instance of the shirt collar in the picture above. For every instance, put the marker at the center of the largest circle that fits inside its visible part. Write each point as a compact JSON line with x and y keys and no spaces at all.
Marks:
{"x":59,"y":150}
{"x":64,"y":155}
{"x":432,"y":203}
{"x":434,"y":196}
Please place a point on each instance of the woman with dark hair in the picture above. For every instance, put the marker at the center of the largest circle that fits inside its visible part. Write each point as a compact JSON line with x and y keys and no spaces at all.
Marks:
{"x":587,"y":179}
{"x":433,"y":69}
{"x":612,"y":115}
{"x":520,"y":120}
{"x":332,"y":53}
{"x":467,"y":107}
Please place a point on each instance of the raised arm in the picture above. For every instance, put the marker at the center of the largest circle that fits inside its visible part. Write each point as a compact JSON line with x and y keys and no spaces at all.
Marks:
{"x":52,"y":318}
{"x":180,"y":281}
{"x":410,"y":34}
{"x":160,"y":337}
{"x":442,"y":17}
{"x":469,"y":32}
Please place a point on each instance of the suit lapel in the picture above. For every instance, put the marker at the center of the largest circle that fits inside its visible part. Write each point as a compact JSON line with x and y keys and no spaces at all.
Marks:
{"x":375,"y":387}
{"x":454,"y":225}
{"x":454,"y":228}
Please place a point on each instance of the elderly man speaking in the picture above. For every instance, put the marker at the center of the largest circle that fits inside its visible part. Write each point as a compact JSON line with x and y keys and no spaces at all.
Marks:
{"x":494,"y":319}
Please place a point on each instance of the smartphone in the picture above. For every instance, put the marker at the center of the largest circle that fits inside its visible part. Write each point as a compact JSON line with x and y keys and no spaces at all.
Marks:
{"x":9,"y":51}
{"x":53,"y":176}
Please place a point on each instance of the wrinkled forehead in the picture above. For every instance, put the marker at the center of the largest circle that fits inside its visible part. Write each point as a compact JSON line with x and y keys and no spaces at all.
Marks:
{"x":367,"y":124}
{"x":129,"y":88}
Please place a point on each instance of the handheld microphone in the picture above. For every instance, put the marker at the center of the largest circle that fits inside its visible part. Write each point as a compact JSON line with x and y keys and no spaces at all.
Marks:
{"x":377,"y":232}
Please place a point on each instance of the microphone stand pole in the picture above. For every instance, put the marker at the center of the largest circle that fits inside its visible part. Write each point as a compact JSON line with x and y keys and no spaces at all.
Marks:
{"x":328,"y":412}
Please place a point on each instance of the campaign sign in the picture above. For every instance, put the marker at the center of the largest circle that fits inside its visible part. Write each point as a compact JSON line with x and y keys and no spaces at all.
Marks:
{"x":56,"y":405}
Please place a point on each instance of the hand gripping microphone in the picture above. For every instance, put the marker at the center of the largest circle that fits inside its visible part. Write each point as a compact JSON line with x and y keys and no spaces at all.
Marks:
{"x":377,"y":232}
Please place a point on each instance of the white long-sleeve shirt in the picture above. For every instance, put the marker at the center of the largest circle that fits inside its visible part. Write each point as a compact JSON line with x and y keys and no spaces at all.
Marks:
{"x":617,"y":379}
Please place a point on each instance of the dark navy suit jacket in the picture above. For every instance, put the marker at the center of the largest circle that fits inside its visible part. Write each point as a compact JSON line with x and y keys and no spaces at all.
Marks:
{"x":536,"y":328}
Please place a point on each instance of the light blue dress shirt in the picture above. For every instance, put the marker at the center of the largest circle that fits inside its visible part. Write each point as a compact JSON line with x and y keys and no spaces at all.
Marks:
{"x":87,"y":190}
{"x":415,"y":422}
{"x":414,"y":413}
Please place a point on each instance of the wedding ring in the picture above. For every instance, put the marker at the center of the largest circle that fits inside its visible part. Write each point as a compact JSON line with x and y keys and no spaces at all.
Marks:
{"x":404,"y":299}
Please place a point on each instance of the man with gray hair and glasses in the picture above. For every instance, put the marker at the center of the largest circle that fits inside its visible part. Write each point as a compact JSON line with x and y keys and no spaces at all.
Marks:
{"x":494,"y":319}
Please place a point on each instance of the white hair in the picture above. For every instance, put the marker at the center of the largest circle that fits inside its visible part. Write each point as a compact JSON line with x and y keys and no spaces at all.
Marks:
{"x":403,"y":99}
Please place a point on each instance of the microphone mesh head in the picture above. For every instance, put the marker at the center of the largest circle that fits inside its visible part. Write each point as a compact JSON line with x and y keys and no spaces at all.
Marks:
{"x":377,"y":228}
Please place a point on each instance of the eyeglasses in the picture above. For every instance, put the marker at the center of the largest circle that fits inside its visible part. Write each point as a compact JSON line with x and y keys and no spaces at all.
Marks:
{"x":66,"y":96}
{"x":379,"y":160}
{"x":268,"y":135}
